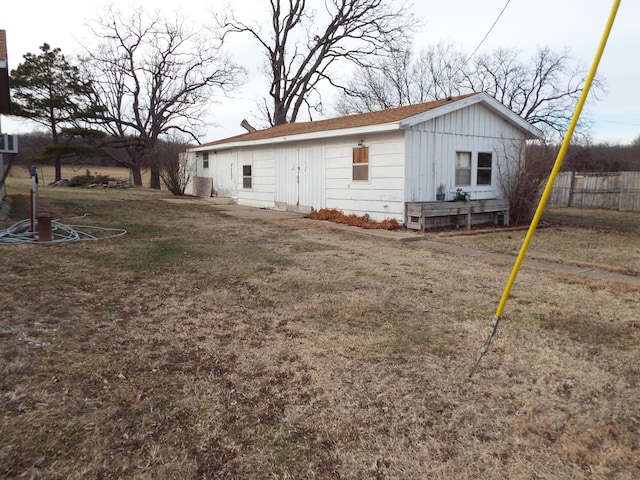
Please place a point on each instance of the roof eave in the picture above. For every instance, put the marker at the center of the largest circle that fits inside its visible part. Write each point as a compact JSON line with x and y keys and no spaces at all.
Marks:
{"x":343,"y":132}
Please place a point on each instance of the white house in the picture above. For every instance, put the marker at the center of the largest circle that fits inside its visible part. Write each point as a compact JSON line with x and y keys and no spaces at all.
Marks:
{"x":8,"y":145}
{"x":372,"y":163}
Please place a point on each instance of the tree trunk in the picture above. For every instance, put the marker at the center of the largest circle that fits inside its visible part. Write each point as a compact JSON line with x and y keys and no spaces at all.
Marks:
{"x":279,"y":113}
{"x":151,"y":158}
{"x":58,"y":168}
{"x":155,"y":177}
{"x":57,"y":162}
{"x":137,"y":175}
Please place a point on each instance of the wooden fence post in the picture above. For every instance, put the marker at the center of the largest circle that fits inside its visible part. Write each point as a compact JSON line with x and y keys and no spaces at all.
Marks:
{"x":571,"y":188}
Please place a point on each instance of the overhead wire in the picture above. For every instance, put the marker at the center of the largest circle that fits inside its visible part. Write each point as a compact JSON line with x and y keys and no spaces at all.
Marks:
{"x":486,"y":35}
{"x":464,"y":64}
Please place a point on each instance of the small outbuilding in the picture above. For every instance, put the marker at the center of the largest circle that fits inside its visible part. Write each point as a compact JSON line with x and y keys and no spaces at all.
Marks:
{"x":376,"y":163}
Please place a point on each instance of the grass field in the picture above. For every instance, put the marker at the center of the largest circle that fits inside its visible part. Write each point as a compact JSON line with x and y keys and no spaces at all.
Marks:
{"x":595,"y":218}
{"x":201,"y":345}
{"x":585,"y":238}
{"x":20,"y":176}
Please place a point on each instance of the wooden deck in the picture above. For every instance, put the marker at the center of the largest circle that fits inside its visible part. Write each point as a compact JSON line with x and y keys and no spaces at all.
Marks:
{"x":424,"y":215}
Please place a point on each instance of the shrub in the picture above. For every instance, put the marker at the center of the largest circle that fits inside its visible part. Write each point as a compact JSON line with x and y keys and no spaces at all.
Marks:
{"x":523,"y":178}
{"x":175,"y":170}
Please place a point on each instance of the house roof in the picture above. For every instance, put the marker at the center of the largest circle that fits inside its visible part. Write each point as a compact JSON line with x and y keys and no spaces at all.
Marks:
{"x":399,"y":117}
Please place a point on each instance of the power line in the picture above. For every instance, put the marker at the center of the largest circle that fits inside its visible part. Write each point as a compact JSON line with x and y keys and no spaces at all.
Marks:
{"x":616,"y":122}
{"x":486,"y":35}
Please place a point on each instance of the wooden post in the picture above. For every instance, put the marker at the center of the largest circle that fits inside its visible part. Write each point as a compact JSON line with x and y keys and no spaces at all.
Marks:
{"x":44,"y":227}
{"x":571,"y":187}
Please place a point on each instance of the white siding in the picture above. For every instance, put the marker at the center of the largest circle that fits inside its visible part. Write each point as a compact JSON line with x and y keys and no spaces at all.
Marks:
{"x":261,"y":193}
{"x":317,"y":174}
{"x":383,"y":195}
{"x":432,"y":146}
{"x":223,"y":170}
{"x":189,"y":160}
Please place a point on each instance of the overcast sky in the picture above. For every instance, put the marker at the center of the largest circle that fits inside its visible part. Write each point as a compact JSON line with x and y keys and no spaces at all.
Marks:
{"x":527,"y":25}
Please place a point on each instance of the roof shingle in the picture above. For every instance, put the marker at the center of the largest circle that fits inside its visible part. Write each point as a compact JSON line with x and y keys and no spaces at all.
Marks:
{"x":350,"y":121}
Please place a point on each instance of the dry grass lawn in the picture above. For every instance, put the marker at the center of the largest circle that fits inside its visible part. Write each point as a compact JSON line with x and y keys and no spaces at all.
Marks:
{"x":610,"y":250}
{"x":46,"y":174}
{"x":201,"y":345}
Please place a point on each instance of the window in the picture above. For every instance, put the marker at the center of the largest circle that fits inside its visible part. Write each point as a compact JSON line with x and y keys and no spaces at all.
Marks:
{"x":246,"y":176}
{"x":205,"y":159}
{"x":463,"y":168}
{"x":484,"y":169}
{"x":361,"y":164}
{"x":474,"y":169}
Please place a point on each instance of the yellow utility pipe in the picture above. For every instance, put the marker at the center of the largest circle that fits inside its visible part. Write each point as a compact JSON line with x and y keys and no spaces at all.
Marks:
{"x":552,"y":178}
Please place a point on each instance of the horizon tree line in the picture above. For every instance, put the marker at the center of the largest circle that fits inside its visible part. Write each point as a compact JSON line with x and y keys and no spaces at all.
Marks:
{"x":150,"y":78}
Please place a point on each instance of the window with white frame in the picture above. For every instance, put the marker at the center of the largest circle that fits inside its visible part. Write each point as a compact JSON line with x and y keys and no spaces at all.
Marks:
{"x":474,"y":169}
{"x":360,"y":164}
{"x":483,"y":172}
{"x":246,"y":176}
{"x":205,"y":159}
{"x":463,"y":168}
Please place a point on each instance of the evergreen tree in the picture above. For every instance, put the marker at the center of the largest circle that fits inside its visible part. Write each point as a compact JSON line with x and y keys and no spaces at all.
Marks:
{"x":47,"y":89}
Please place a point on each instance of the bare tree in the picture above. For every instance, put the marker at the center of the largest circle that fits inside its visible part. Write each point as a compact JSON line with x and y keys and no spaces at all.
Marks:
{"x":523,"y":175}
{"x":153,"y":77}
{"x":543,"y":89}
{"x":399,"y":80}
{"x":304,"y":45}
{"x":174,"y":171}
{"x":387,"y":83}
{"x":442,"y":73}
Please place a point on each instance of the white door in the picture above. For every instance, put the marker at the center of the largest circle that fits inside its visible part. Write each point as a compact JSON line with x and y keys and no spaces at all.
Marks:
{"x":224,"y":175}
{"x":299,"y":179}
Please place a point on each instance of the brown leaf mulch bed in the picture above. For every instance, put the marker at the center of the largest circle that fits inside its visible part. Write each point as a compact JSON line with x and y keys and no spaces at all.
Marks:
{"x":362,"y":221}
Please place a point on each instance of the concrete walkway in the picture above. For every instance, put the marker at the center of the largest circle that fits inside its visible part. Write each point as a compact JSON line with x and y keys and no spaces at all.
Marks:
{"x":535,"y":264}
{"x":252,"y":213}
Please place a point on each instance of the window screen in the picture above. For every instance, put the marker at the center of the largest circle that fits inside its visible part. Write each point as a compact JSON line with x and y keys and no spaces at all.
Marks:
{"x":246,"y":176}
{"x":463,"y":168}
{"x":484,"y":168}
